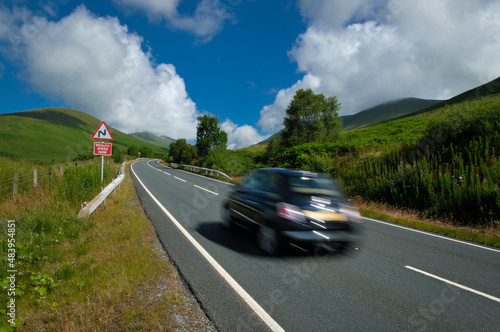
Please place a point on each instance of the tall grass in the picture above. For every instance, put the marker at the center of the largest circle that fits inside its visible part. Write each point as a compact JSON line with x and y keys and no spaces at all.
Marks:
{"x":45,"y":219}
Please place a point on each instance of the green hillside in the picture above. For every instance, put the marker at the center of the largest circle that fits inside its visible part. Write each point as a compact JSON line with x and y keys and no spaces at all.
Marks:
{"x":163,"y":141}
{"x":484,"y":90}
{"x":385,"y":112}
{"x":56,"y":134}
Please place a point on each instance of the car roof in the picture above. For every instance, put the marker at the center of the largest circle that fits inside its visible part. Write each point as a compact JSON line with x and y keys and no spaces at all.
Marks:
{"x":292,"y":172}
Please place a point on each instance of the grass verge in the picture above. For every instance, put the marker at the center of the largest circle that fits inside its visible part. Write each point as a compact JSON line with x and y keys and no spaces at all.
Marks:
{"x":487,"y":236}
{"x":104,"y":273}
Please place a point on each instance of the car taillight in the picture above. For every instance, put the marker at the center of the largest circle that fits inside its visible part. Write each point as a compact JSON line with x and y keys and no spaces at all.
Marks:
{"x":291,"y":212}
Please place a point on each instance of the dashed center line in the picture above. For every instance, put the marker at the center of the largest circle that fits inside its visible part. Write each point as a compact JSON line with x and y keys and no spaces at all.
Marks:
{"x":212,"y":192}
{"x":180,"y":179}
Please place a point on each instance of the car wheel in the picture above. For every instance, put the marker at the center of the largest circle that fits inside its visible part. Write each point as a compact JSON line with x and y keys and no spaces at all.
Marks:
{"x":267,"y":240}
{"x":227,"y":221}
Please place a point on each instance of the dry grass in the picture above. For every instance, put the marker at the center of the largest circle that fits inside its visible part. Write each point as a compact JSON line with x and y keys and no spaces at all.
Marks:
{"x":112,"y":272}
{"x":486,"y":235}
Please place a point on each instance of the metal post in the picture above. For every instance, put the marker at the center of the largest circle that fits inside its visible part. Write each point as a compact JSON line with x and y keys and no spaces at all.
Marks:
{"x":35,"y":177}
{"x":102,"y":171}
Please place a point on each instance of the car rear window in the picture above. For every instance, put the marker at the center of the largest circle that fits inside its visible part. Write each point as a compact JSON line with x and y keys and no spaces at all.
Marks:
{"x":314,"y":185}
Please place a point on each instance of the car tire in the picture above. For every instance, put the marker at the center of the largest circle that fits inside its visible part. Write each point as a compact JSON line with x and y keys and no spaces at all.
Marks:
{"x":267,"y":240}
{"x":227,"y":220}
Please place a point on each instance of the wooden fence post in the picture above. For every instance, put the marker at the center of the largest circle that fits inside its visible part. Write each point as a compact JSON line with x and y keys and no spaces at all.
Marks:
{"x":14,"y":190}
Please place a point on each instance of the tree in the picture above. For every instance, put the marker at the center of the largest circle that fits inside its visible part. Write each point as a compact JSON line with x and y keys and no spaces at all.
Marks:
{"x":209,"y":135}
{"x":146,"y":152}
{"x":118,"y":155}
{"x":311,"y":118}
{"x":181,"y":152}
{"x":133,"y":151}
{"x":271,"y":152}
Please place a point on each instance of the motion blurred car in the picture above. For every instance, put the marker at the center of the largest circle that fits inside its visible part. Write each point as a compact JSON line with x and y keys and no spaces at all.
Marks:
{"x":305,"y":210}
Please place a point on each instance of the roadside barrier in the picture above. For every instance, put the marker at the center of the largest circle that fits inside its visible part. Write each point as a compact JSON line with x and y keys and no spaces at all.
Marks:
{"x":201,"y":169}
{"x":87,"y":210}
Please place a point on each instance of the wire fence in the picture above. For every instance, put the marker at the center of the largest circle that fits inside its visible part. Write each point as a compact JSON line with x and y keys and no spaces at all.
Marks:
{"x":23,"y":182}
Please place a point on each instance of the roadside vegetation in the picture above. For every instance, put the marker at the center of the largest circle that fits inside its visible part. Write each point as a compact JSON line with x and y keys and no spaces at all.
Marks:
{"x":107,"y":272}
{"x":439,"y":167}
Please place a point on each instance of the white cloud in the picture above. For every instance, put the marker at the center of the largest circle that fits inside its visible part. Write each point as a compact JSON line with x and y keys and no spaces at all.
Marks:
{"x":207,"y":20}
{"x":366,"y":53}
{"x":96,"y":65}
{"x":241,"y":136}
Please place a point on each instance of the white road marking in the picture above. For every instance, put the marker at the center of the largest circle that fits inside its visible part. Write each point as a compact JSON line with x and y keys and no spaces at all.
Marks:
{"x":266,"y":318}
{"x":454,"y":284}
{"x":431,"y":234}
{"x":212,"y":192}
{"x":180,"y":179}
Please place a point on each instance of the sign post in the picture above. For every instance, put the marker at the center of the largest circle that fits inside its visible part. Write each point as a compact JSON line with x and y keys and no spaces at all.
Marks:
{"x":102,"y":149}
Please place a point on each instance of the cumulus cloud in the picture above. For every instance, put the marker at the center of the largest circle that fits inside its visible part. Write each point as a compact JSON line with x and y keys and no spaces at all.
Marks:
{"x":367,"y":53}
{"x":241,"y":136}
{"x":207,"y":20}
{"x":96,"y":65}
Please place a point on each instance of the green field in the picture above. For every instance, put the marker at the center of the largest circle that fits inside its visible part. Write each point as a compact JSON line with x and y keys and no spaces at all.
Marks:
{"x":57,"y":134}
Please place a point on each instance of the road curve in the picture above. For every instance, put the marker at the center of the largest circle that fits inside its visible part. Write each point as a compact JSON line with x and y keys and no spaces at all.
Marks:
{"x":401,"y":279}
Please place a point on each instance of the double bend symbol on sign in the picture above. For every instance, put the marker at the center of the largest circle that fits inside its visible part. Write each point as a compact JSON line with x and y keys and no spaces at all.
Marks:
{"x":102,"y":133}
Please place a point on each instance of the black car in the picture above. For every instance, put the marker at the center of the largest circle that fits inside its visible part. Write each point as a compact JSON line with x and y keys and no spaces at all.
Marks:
{"x":303,"y":209}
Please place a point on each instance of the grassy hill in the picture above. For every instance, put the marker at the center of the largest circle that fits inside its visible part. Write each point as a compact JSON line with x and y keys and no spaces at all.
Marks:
{"x":56,"y":134}
{"x":163,"y":141}
{"x":484,"y":90}
{"x":385,"y":112}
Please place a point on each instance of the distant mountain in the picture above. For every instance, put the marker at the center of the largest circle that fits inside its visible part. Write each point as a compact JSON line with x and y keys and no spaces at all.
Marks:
{"x":480,"y":91}
{"x":386,"y":111}
{"x":163,"y":141}
{"x":57,"y":134}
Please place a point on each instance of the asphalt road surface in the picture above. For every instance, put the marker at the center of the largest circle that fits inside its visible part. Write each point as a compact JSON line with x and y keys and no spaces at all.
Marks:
{"x":399,"y":279}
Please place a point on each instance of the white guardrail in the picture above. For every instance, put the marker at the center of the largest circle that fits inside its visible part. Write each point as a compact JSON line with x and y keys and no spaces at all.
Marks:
{"x":94,"y":204}
{"x":201,"y":169}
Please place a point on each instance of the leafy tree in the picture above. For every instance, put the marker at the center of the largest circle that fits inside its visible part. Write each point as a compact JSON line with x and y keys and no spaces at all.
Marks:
{"x":118,"y":155}
{"x":271,"y":153}
{"x":209,"y":135}
{"x":311,"y":118}
{"x":181,"y":152}
{"x":146,"y":152}
{"x":133,"y":151}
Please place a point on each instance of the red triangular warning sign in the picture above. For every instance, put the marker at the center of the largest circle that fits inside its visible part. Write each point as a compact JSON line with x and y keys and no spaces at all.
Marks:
{"x":102,"y":133}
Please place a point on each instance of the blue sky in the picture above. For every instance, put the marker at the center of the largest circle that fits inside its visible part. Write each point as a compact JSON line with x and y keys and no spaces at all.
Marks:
{"x":155,"y":65}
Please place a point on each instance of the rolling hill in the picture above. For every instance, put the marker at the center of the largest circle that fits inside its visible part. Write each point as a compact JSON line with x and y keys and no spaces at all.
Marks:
{"x":484,"y":90}
{"x":163,"y":141}
{"x":57,"y":134}
{"x":386,"y":111}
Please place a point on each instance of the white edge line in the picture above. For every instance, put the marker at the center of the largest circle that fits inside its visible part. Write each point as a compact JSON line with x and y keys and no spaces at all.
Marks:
{"x":212,"y":192}
{"x":491,"y":297}
{"x":273,"y":325}
{"x":431,"y":234}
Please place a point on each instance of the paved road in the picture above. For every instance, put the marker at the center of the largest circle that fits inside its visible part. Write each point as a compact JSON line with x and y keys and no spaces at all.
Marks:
{"x":400,"y":279}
